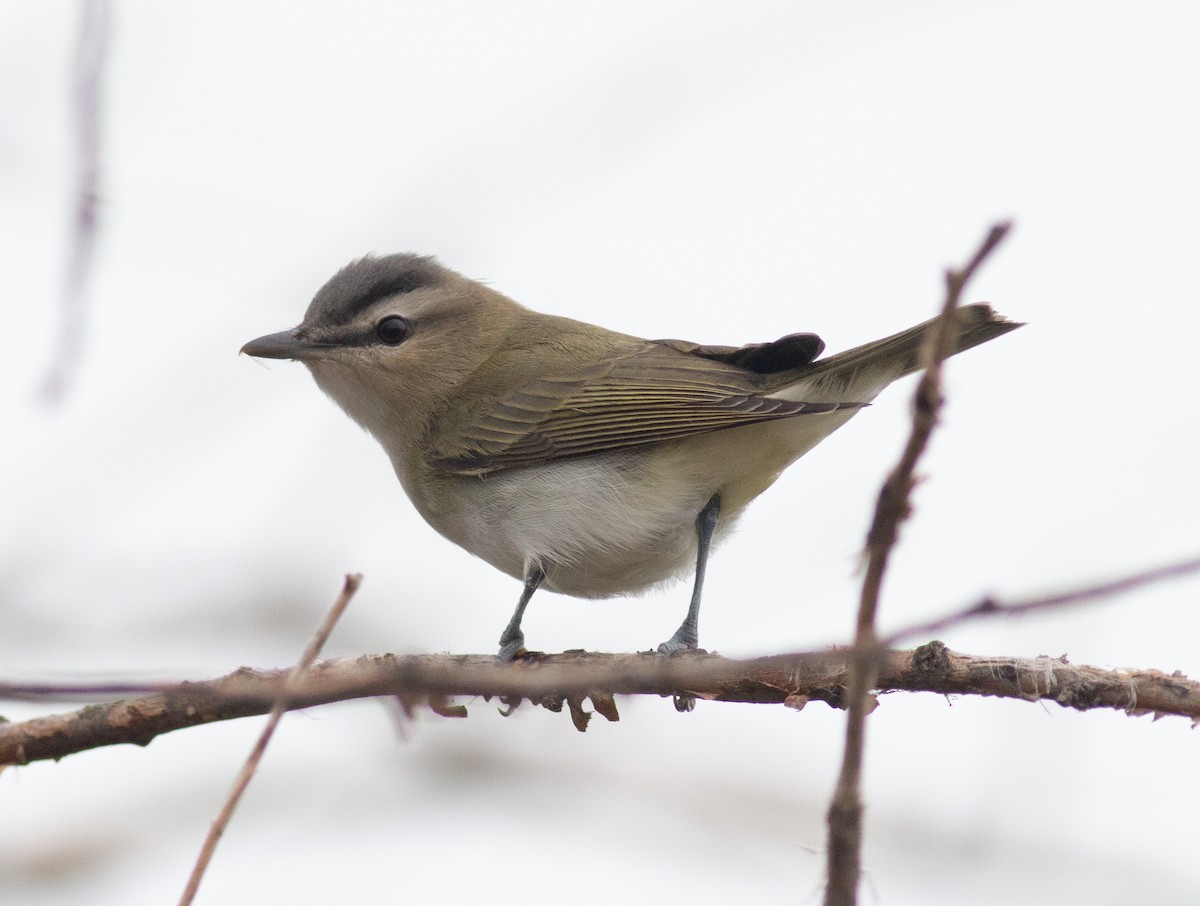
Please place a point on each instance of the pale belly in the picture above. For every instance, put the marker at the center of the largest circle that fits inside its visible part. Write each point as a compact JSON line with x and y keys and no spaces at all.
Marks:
{"x":616,"y":524}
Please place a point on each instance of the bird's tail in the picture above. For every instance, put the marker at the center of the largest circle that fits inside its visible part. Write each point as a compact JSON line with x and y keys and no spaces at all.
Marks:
{"x":862,"y":372}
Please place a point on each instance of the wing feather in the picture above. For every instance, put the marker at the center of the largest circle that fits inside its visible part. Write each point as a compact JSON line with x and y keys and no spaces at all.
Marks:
{"x":654,"y":394}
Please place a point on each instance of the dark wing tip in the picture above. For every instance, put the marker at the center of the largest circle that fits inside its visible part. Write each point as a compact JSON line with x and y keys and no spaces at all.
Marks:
{"x":784,"y":354}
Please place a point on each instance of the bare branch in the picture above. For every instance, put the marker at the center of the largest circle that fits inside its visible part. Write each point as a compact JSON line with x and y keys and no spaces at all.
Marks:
{"x":892,"y":508}
{"x":315,"y":644}
{"x":989,"y":605}
{"x":553,"y":681}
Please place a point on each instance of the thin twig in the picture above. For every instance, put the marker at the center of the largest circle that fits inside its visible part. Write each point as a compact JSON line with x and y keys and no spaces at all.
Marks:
{"x":90,"y":56}
{"x":989,"y":605}
{"x":315,"y":644}
{"x":845,"y":810}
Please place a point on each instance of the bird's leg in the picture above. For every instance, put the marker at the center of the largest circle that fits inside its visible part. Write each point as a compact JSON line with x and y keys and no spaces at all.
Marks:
{"x":688,"y":633}
{"x":512,"y":640}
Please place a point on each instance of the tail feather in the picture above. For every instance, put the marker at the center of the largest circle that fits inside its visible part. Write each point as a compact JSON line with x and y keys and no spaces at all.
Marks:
{"x":861,"y":373}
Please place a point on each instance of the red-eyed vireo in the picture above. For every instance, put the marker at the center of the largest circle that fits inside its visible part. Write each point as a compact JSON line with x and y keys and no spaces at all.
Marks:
{"x":571,"y":457}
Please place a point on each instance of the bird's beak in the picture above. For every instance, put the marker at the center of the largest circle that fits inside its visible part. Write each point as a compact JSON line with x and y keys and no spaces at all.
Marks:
{"x":287,"y":344}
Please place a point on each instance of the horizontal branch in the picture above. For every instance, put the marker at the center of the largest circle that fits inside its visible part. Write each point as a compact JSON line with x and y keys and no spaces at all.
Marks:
{"x":553,"y":681}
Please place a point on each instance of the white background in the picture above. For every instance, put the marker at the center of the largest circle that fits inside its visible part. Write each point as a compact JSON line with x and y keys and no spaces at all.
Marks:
{"x":725,"y":173}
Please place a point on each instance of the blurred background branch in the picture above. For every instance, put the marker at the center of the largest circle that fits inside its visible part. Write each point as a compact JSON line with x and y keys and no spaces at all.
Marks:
{"x":90,"y":57}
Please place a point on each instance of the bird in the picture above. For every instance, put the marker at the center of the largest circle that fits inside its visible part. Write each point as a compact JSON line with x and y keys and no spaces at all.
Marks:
{"x":571,"y":457}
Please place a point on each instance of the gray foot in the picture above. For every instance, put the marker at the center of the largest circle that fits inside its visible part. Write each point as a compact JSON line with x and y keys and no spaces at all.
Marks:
{"x":684,"y":639}
{"x":511,"y":645}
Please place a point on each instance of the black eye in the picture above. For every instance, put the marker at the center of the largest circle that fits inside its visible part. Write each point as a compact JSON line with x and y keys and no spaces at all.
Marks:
{"x":392,"y":330}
